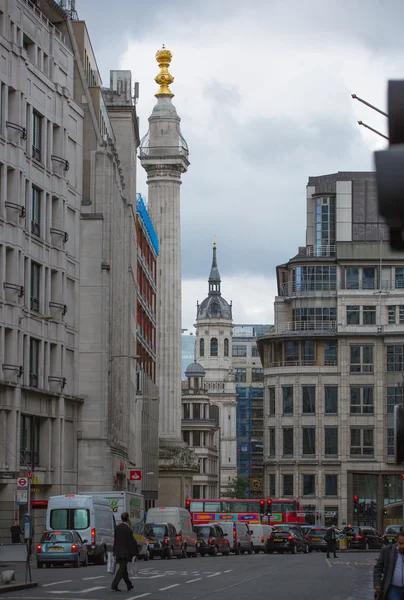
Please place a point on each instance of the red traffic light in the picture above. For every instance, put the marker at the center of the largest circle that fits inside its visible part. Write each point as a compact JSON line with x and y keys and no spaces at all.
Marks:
{"x":262,"y":502}
{"x":269,"y":501}
{"x":356,"y":498}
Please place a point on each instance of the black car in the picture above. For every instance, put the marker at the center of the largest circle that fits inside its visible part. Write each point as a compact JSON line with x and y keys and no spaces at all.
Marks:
{"x":390,"y":535}
{"x":362,"y":538}
{"x":210,"y":539}
{"x":287,"y":538}
{"x":315,"y":537}
{"x":163,"y":540}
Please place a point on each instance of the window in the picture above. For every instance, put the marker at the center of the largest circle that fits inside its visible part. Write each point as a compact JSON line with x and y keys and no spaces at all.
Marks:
{"x":196,"y":411}
{"x":362,"y":441}
{"x":314,"y":318}
{"x":309,"y":399}
{"x":240,"y":375}
{"x":70,"y":518}
{"x":226,"y":347}
{"x":29,"y":440}
{"x":308,"y":352}
{"x":331,"y":399}
{"x":360,"y":278}
{"x":186,"y":437}
{"x":291,"y":352}
{"x":287,"y":485}
{"x":395,"y":358}
{"x":352,"y":278}
{"x":196,"y":438}
{"x":330,"y":352}
{"x":186,"y":411}
{"x":368,"y":278}
{"x":309,"y":441}
{"x":272,"y":441}
{"x":369,"y":315}
{"x":254,"y":351}
{"x":361,"y":358}
{"x":309,"y":485}
{"x":35,"y":282}
{"x":331,"y":485}
{"x":238,"y":350}
{"x":287,"y":393}
{"x":288,"y":441}
{"x":36,"y":135}
{"x":362,"y":400}
{"x":390,"y":441}
{"x":399,"y":278}
{"x":394,"y":396}
{"x":271,"y":401}
{"x":353,"y":315}
{"x":319,"y":278}
{"x":325,"y":225}
{"x":257,"y":375}
{"x":331,"y":441}
{"x":36,"y":211}
{"x":213,"y":347}
{"x":34,"y":362}
{"x":201,"y":347}
{"x":271,"y":482}
{"x":395,"y":315}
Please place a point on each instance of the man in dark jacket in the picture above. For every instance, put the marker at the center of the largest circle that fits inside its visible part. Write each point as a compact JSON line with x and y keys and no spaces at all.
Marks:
{"x":125,"y":548}
{"x":331,"y":539}
{"x":388,"y":572}
{"x":16,"y":533}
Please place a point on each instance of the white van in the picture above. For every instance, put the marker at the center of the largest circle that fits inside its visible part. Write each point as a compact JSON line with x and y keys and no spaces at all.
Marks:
{"x":91,"y":516}
{"x":259,"y":536}
{"x":181,"y":519}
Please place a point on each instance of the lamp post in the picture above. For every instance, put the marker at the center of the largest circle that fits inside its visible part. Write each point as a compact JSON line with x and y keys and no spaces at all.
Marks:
{"x":79,"y":436}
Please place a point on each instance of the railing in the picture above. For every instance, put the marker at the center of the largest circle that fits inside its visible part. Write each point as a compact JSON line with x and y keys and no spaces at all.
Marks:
{"x":316,"y":325}
{"x":165,"y":151}
{"x":328,"y":362}
{"x":306,"y":287}
{"x":41,"y":16}
{"x":320,"y":250}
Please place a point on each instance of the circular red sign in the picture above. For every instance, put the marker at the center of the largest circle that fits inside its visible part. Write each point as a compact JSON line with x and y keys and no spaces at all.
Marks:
{"x":23,"y":482}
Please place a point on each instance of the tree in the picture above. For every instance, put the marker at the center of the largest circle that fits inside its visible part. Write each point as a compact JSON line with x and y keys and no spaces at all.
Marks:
{"x":237,"y":488}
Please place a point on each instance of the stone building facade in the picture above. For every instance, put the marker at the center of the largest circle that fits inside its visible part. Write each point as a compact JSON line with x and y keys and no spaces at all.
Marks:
{"x":41,"y":131}
{"x":213,"y":350}
{"x":334,"y":362}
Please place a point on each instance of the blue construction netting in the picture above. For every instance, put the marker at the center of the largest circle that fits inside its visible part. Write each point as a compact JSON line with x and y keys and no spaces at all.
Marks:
{"x":144,"y":215}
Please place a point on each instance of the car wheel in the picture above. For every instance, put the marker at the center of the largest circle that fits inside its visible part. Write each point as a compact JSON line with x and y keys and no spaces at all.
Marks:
{"x":257,"y":551}
{"x":270,"y":551}
{"x":202,"y":554}
{"x":151,"y":556}
{"x":306,"y":549}
{"x":195,"y":553}
{"x":213,"y":552}
{"x":250,"y":550}
{"x":85,"y":561}
{"x":184,"y":552}
{"x":237,"y":550}
{"x":76,"y":563}
{"x":169,"y":553}
{"x":294,"y":549}
{"x":147,"y":555}
{"x":367,"y":545}
{"x":39,"y":565}
{"x":227,"y":551}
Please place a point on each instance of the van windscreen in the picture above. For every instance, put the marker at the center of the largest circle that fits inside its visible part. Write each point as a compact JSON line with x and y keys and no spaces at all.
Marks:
{"x":70,"y":518}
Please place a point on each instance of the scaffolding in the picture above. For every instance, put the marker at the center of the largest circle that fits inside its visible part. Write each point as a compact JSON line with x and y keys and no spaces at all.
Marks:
{"x":249,"y":431}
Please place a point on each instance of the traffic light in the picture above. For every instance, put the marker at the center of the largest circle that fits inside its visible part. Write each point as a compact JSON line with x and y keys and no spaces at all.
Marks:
{"x":187,"y":504}
{"x":262,"y":508}
{"x":356,"y":504}
{"x":269,"y":507}
{"x":390,"y":168}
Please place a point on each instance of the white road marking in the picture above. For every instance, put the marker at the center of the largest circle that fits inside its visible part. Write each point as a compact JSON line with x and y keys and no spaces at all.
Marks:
{"x":57,"y":583}
{"x":169,"y":587}
{"x":192,"y":580}
{"x":140,"y":596}
{"x":98,"y":577}
{"x":93,"y":589}
{"x":328,"y":562}
{"x":228,"y":571}
{"x":214,"y":574}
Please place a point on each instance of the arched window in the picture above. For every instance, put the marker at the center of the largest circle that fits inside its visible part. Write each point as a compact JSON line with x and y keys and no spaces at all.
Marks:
{"x":226,"y":347}
{"x":213,"y":347}
{"x":201,"y":347}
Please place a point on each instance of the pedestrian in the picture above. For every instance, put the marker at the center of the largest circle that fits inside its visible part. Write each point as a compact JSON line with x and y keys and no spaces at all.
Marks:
{"x":331,"y":539}
{"x":388,"y":572}
{"x":16,"y":533}
{"x":125,"y":548}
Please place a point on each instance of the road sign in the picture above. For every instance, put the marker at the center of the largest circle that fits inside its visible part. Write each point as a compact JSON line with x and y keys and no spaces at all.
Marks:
{"x":135,"y":475}
{"x":30,"y":474}
{"x":22,"y":497}
{"x":22,"y":482}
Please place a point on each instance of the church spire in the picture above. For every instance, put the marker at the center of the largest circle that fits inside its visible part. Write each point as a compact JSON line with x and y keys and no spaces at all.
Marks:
{"x":214,"y":277}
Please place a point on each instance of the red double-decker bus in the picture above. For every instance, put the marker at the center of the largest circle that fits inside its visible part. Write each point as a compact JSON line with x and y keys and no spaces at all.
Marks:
{"x":205,"y":510}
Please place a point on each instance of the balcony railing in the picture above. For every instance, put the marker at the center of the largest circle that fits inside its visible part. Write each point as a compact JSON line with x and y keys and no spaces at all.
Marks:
{"x":41,"y":16}
{"x":316,"y":325}
{"x":320,"y":250}
{"x":328,"y":362}
{"x":163,"y":151}
{"x":306,"y":288}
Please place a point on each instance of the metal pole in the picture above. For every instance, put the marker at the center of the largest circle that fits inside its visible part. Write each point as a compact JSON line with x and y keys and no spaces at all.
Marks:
{"x":403,"y":500}
{"x":355,"y":97}
{"x":374,"y":130}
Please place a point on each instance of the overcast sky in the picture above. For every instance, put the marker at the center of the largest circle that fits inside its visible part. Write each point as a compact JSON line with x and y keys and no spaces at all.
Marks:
{"x":263,"y":89}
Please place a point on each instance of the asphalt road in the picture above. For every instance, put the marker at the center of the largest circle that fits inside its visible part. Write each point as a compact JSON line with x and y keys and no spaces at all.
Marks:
{"x":259,"y":577}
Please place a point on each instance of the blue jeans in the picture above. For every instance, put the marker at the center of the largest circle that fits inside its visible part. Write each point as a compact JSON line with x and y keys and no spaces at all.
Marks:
{"x":396,"y":593}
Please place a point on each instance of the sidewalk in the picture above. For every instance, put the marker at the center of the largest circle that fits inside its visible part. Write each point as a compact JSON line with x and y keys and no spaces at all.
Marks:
{"x":19,"y":582}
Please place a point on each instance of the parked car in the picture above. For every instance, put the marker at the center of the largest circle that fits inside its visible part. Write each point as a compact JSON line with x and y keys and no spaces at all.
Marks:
{"x":181,"y":520}
{"x":390,"y":535}
{"x":61,"y":547}
{"x":211,"y":539}
{"x":238,"y":534}
{"x":259,"y":536}
{"x":163,"y":540}
{"x":315,"y":537}
{"x":362,"y":538}
{"x":287,"y":538}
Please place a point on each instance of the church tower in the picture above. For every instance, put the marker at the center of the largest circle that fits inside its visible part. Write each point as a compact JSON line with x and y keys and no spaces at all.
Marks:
{"x":164,"y":156}
{"x":214,"y":327}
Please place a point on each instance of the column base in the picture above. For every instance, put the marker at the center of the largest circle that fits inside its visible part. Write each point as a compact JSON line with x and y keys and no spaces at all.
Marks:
{"x":177,"y":465}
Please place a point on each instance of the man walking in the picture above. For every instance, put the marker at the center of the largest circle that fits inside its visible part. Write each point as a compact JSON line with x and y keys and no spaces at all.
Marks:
{"x":125,"y":548}
{"x":331,"y":539}
{"x":388,"y":572}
